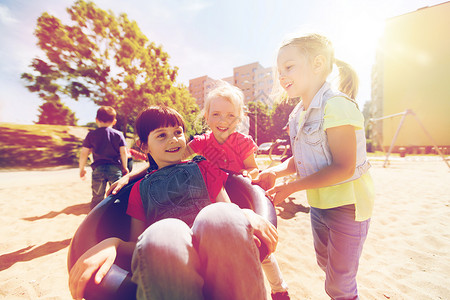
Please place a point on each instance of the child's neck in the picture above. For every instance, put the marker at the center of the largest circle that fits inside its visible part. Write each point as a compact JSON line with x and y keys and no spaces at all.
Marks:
{"x":309,"y":96}
{"x":104,"y":124}
{"x":167,"y":164}
{"x":221,"y":140}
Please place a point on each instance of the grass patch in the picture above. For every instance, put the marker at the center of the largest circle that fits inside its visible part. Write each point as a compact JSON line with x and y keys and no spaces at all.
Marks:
{"x":39,"y":146}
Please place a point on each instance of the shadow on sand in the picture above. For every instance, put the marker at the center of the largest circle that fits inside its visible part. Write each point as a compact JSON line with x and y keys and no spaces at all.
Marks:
{"x":31,"y":252}
{"x":290,"y":209}
{"x":77,"y":210}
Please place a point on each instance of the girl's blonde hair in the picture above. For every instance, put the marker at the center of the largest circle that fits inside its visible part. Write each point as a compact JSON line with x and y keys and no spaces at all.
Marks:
{"x":315,"y":44}
{"x":230,"y":92}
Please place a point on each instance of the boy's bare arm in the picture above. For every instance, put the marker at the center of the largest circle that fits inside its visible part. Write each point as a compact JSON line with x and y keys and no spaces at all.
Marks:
{"x":84,"y":153}
{"x":124,"y":159}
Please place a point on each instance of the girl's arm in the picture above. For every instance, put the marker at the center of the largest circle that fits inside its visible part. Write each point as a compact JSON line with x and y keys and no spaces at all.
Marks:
{"x":98,"y":260}
{"x":124,"y":180}
{"x":250,"y":167}
{"x":188,"y":152}
{"x":342,"y":142}
{"x":266,"y":179}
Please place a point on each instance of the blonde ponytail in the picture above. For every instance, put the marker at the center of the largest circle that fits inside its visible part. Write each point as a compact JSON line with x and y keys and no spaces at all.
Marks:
{"x":348,"y":79}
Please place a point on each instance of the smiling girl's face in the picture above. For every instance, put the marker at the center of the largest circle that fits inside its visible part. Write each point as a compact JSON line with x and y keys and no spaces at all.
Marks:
{"x":167,"y":145}
{"x":222,"y":118}
{"x":295,"y":71}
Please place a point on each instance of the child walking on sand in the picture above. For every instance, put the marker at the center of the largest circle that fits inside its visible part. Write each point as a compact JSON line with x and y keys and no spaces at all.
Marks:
{"x":233,"y":151}
{"x":108,"y":147}
{"x":182,"y":246}
{"x":329,"y":155}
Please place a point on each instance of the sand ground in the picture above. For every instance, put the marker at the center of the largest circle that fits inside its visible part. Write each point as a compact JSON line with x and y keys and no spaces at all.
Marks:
{"x":406,"y":255}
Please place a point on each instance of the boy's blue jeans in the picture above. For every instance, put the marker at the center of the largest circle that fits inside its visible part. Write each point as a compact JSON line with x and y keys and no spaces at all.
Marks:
{"x":101,"y":175}
{"x":338,"y":241}
{"x":215,"y":259}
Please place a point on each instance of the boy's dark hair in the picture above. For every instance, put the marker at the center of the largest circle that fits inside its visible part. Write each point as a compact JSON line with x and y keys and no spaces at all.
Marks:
{"x":152,"y":118}
{"x":155,"y":117}
{"x":106,"y":114}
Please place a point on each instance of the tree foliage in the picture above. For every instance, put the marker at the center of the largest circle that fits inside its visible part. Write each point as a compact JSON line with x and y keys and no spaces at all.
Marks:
{"x":105,"y":58}
{"x":260,"y":115}
{"x":56,"y":113}
{"x":280,"y":116}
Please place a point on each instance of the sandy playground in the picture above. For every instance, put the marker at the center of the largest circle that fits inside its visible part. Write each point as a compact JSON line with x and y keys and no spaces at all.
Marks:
{"x":406,"y":255}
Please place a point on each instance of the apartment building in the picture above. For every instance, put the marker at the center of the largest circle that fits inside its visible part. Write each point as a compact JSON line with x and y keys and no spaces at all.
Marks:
{"x":199,"y":87}
{"x":253,"y":79}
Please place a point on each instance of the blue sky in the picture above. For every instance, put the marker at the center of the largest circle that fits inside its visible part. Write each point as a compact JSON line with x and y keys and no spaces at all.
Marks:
{"x":202,"y":37}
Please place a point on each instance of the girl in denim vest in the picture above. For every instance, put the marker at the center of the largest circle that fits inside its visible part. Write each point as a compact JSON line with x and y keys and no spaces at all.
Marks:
{"x":329,"y":156}
{"x":182,"y":244}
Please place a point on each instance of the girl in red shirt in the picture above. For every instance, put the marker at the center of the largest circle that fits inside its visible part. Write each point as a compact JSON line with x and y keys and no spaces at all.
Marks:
{"x":233,"y":151}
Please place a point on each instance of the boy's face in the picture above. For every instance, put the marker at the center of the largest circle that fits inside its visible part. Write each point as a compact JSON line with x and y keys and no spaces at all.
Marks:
{"x":167,"y":145}
{"x":222,"y":118}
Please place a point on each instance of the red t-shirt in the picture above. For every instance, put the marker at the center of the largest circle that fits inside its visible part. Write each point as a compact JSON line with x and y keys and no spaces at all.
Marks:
{"x":214,"y":180}
{"x":229,"y":155}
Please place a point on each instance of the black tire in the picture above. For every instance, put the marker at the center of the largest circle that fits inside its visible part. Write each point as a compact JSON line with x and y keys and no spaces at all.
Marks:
{"x":109,"y":219}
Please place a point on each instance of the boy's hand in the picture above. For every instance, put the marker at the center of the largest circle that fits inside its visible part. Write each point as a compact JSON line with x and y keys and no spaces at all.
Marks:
{"x":125,"y":171}
{"x":83,"y":174}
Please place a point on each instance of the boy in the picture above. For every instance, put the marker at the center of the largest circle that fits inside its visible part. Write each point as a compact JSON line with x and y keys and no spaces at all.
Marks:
{"x":108,"y":147}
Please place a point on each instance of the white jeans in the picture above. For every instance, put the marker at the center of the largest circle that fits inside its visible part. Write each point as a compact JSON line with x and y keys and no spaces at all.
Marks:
{"x":273,"y":274}
{"x":216,"y":259}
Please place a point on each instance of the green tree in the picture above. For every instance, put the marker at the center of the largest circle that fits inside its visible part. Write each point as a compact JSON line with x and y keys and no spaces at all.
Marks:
{"x":52,"y":111}
{"x":101,"y":57}
{"x":259,"y":114}
{"x":280,"y":115}
{"x":179,"y":98}
{"x":56,"y":113}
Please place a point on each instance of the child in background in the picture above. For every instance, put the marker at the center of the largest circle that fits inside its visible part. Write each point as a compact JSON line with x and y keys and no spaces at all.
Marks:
{"x":329,"y":155}
{"x":233,"y":151}
{"x":108,"y":147}
{"x":187,"y":248}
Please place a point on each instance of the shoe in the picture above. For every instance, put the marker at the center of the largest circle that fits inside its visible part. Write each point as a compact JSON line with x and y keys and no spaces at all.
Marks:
{"x":280,"y":296}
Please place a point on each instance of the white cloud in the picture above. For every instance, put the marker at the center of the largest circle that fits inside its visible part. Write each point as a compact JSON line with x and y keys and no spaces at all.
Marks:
{"x":6,"y":17}
{"x":196,"y":5}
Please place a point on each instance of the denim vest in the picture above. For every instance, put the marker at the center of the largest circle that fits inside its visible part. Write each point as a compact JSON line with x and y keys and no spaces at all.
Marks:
{"x":309,"y":141}
{"x":177,"y":191}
